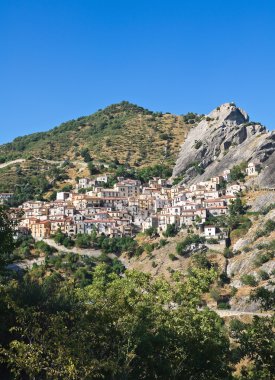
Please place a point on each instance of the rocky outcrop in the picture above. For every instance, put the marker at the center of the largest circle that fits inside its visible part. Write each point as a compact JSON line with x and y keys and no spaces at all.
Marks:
{"x":223,"y":139}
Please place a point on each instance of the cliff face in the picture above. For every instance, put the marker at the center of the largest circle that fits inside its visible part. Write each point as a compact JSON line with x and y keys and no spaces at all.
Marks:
{"x":223,"y":139}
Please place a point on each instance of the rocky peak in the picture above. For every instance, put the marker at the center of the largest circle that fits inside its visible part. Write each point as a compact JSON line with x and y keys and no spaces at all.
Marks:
{"x":224,"y":138}
{"x":229,"y":114}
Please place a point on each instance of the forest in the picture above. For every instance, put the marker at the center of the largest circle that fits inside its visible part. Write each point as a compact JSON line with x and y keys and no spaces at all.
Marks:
{"x":122,"y":325}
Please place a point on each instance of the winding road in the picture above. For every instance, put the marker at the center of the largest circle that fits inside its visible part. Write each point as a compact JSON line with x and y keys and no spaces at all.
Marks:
{"x":12,"y":162}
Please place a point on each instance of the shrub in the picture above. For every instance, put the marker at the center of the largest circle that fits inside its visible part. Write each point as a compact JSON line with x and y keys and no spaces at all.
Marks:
{"x":177,"y":180}
{"x":268,"y":208}
{"x":228,"y":253}
{"x":237,"y":173}
{"x":187,"y":242}
{"x":198,"y":144}
{"x":213,"y":241}
{"x":265,"y":297}
{"x":233,"y":291}
{"x":172,"y":257}
{"x":201,"y":261}
{"x":44,"y":247}
{"x":263,"y":275}
{"x":215,"y":294}
{"x":269,"y":226}
{"x":162,"y":242}
{"x":151,"y":231}
{"x":262,"y":258}
{"x":224,"y":279}
{"x":83,"y":241}
{"x":249,"y":279}
{"x":223,"y":306}
{"x":149,"y":248}
{"x":171,"y":230}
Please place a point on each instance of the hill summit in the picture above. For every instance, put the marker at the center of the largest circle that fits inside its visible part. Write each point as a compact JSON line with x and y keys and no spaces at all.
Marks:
{"x":121,"y":132}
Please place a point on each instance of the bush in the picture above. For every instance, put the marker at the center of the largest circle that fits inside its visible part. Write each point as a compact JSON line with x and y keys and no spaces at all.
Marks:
{"x":172,"y":257}
{"x":201,"y":261}
{"x":83,"y":241}
{"x":228,"y":253}
{"x":262,"y":258}
{"x":223,"y":306}
{"x":183,"y":246}
{"x":233,"y":291}
{"x":212,"y":241}
{"x":224,"y":279}
{"x":171,"y":230}
{"x":162,"y":243}
{"x":151,"y":231}
{"x":263,"y":275}
{"x":249,"y":279}
{"x":237,"y":173}
{"x":44,"y":247}
{"x":215,"y":294}
{"x":198,"y":144}
{"x":265,"y":297}
{"x":268,"y":208}
{"x":148,"y":248}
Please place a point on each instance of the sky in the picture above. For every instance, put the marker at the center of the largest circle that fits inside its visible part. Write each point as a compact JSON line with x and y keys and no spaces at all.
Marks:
{"x":62,"y":59}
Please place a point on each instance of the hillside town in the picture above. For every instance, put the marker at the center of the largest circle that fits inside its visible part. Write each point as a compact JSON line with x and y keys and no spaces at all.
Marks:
{"x":130,"y":207}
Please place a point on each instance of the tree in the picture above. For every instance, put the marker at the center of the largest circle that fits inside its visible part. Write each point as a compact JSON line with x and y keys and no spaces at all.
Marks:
{"x":256,"y":342}
{"x":151,"y":231}
{"x":116,"y":328}
{"x":237,"y":173}
{"x":86,"y":155}
{"x":265,"y":297}
{"x":171,"y":230}
{"x":83,"y":240}
{"x":6,"y":237}
{"x":236,"y":207}
{"x":183,"y":247}
{"x":92,"y":168}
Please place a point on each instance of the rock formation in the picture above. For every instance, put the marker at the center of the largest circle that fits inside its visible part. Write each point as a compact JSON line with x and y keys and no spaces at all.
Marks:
{"x":223,"y":139}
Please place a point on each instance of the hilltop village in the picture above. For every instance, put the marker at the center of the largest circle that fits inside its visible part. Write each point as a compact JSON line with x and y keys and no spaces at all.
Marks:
{"x":130,"y":207}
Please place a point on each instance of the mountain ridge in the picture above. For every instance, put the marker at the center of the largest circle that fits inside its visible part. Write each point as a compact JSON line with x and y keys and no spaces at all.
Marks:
{"x":196,"y":147}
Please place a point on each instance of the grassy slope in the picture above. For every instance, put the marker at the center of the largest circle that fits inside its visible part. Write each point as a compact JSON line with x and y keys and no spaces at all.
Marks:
{"x":122,"y":131}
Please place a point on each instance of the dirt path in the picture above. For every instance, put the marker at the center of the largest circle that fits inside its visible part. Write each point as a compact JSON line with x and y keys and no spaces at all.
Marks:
{"x":49,"y":161}
{"x":80,"y":251}
{"x":26,"y":264}
{"x":237,"y":313}
{"x":12,"y":162}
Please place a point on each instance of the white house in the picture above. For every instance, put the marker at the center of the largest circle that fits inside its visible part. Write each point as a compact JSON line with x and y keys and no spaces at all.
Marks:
{"x":209,"y":231}
{"x":62,"y":195}
{"x":252,"y":169}
{"x":226,"y":174}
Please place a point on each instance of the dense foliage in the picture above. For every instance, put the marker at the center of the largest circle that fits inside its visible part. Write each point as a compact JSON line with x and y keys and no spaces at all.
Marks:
{"x":80,"y":318}
{"x":114,"y":328}
{"x":6,"y":238}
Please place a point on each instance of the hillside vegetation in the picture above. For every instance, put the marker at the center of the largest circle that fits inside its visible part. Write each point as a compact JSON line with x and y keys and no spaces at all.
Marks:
{"x":122,"y":132}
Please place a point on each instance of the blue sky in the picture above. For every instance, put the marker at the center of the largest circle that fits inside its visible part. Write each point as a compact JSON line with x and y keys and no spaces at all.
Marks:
{"x":61,"y":59}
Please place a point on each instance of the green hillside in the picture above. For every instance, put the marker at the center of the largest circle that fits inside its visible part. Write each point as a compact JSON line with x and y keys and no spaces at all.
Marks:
{"x":121,"y":134}
{"x":124,"y":132}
